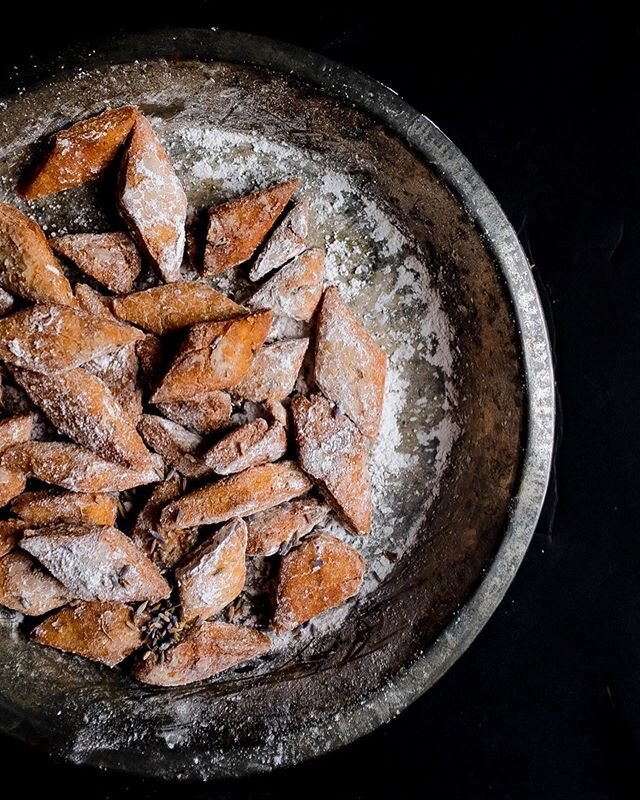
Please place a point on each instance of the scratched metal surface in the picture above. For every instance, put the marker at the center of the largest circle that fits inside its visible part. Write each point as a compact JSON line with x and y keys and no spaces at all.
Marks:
{"x":323,"y":690}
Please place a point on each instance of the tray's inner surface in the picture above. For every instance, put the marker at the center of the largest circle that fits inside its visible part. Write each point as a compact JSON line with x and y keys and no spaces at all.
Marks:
{"x":411,"y":264}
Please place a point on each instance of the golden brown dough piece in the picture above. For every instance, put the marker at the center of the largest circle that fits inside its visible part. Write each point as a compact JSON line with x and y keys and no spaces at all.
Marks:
{"x":350,"y":368}
{"x":270,"y":530}
{"x":96,"y":562}
{"x":295,"y":290}
{"x":152,"y":200}
{"x":53,"y":339}
{"x":110,"y":258}
{"x":335,"y":454}
{"x":81,"y":152}
{"x":10,"y":534}
{"x":203,"y":414}
{"x":214,"y":573}
{"x":167,"y":308}
{"x":7,"y":303}
{"x":247,"y":446}
{"x":12,"y":484}
{"x":47,"y":506}
{"x":237,"y":228}
{"x":29,"y":268}
{"x":215,"y":355}
{"x":103,"y":632}
{"x":13,"y":430}
{"x":26,"y":587}
{"x":287,"y":241}
{"x":93,"y":302}
{"x":320,"y":574}
{"x":273,"y":373}
{"x":248,"y":492}
{"x":206,"y":650}
{"x":178,"y":447}
{"x":164,"y":545}
{"x":74,"y":468}
{"x":119,"y":372}
{"x":81,"y":407}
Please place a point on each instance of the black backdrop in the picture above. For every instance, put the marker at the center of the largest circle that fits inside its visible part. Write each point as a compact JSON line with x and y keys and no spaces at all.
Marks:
{"x":545,"y":101}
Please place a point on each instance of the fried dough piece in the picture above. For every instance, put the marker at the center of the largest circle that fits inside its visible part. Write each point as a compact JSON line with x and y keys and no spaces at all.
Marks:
{"x":248,"y":492}
{"x":350,"y":367}
{"x":74,"y":468}
{"x":269,"y":531}
{"x":12,"y":484}
{"x":26,"y":587}
{"x":295,"y":290}
{"x":81,"y":152}
{"x":214,"y":573}
{"x":93,"y":302}
{"x":150,"y":357}
{"x":206,"y":650}
{"x":29,"y":268}
{"x":7,"y":303}
{"x":287,"y":241}
{"x":203,"y":414}
{"x":47,"y":506}
{"x":13,"y":430}
{"x":215,"y":355}
{"x":164,"y":545}
{"x":237,"y":228}
{"x":178,"y":447}
{"x":119,"y":372}
{"x":273,"y":373}
{"x":103,"y":632}
{"x":53,"y":339}
{"x":152,"y":200}
{"x":335,"y":454}
{"x":320,"y":574}
{"x":81,"y":407}
{"x":112,"y":259}
{"x":10,"y":534}
{"x":96,"y":562}
{"x":167,"y":308}
{"x":247,"y":446}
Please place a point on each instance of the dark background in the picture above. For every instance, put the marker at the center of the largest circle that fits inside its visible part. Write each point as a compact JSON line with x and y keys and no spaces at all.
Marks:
{"x":545,"y":101}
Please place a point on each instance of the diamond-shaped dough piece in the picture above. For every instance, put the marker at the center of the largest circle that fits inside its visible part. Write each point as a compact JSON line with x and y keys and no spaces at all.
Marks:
{"x":51,"y":339}
{"x":80,"y":153}
{"x":206,"y":650}
{"x":13,"y":430}
{"x":178,"y":447}
{"x":239,"y":495}
{"x":29,"y":267}
{"x":96,"y":562}
{"x":81,"y":407}
{"x":270,"y":530}
{"x":164,"y":545}
{"x":287,"y":241}
{"x":167,"y":308}
{"x":320,"y":574}
{"x":350,"y":367}
{"x":214,"y":573}
{"x":119,"y":373}
{"x":152,"y":200}
{"x":335,"y":454}
{"x":247,"y":446}
{"x":203,"y":414}
{"x":74,"y":468}
{"x":295,"y":289}
{"x":112,"y":259}
{"x":26,"y":587}
{"x":47,"y":506}
{"x":215,"y":355}
{"x":103,"y":632}
{"x":274,"y":371}
{"x":237,"y":228}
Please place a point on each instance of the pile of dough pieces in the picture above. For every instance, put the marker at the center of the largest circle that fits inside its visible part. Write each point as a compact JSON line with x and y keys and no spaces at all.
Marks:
{"x":156,"y":441}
